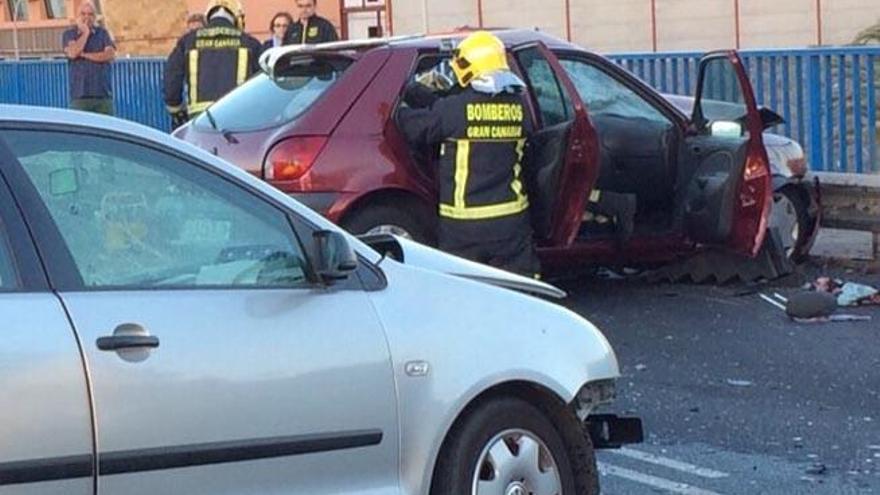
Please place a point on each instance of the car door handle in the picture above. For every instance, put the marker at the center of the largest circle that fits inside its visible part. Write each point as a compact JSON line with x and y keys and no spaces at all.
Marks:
{"x":118,"y":342}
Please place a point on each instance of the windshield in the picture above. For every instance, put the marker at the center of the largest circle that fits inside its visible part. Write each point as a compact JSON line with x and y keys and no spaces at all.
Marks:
{"x":262,"y":102}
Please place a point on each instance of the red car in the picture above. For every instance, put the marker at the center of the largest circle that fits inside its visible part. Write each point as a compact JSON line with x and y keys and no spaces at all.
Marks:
{"x":319,"y":125}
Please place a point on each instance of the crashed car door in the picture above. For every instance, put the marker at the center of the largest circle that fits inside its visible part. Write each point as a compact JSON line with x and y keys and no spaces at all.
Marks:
{"x":728,"y":197}
{"x":563,"y":152}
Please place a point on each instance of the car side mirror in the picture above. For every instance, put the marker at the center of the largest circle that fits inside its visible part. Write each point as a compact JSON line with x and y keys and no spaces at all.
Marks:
{"x":726,"y":129}
{"x":336,"y":259}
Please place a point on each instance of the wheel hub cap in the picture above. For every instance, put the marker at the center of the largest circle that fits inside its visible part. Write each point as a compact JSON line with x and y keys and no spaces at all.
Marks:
{"x":516,"y":462}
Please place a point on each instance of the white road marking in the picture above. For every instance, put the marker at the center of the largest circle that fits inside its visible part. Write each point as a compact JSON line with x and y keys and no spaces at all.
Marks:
{"x":667,"y":462}
{"x":654,"y":481}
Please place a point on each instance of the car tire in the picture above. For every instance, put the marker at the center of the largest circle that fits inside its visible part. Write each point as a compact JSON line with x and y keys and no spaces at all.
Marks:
{"x":793,"y":221}
{"x":467,"y":465}
{"x":408,"y":219}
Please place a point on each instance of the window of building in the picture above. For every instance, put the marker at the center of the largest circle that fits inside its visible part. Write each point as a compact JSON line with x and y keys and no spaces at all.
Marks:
{"x":56,"y":9}
{"x":18,"y":10}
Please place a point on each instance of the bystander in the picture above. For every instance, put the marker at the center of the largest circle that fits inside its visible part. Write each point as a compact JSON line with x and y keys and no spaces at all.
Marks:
{"x":90,"y":49}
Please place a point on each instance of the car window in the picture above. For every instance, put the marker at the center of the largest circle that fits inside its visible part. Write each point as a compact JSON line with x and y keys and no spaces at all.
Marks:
{"x":605,"y":95}
{"x":264,"y":102}
{"x":8,"y":278}
{"x":135,"y":217}
{"x":553,"y":103}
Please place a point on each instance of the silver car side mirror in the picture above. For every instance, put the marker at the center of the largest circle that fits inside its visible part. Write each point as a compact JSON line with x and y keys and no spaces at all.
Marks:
{"x":336,"y":260}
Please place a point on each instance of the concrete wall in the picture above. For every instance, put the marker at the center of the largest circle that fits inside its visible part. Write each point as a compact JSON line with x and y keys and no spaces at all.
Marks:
{"x":608,"y":26}
{"x":626,"y":25}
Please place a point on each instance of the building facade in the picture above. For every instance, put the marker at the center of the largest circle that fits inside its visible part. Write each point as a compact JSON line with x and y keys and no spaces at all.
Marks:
{"x":140,"y":27}
{"x":654,"y":25}
{"x":149,"y":27}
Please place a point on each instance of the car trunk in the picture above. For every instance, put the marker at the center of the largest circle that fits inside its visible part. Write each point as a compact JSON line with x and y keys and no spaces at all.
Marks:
{"x":245,"y":149}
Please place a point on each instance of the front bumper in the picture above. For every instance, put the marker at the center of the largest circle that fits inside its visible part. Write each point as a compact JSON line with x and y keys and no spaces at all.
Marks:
{"x":610,"y":431}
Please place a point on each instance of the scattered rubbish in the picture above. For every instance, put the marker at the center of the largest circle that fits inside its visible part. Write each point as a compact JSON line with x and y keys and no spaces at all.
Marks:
{"x":833,"y":318}
{"x":739,"y":383}
{"x":853,"y":294}
{"x":641,"y":367}
{"x":816,"y":306}
{"x":810,"y":305}
{"x":772,"y":301}
{"x":817,"y":469}
{"x":847,"y":293}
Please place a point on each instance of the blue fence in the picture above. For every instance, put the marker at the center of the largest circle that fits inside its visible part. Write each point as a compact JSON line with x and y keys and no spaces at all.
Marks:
{"x":137,"y":85}
{"x":828,"y":96}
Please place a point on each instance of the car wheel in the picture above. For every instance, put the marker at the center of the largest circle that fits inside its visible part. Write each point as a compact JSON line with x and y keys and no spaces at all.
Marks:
{"x":407,"y":220}
{"x":509,"y":447}
{"x":790,"y":215}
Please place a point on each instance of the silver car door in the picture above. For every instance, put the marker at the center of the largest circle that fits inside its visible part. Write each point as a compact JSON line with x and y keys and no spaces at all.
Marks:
{"x":219,"y":364}
{"x":45,"y":420}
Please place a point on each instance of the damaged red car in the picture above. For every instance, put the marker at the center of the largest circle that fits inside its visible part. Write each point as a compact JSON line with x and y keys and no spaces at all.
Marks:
{"x":319,"y":124}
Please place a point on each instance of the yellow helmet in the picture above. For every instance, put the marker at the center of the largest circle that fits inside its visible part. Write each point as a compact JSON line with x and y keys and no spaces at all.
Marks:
{"x":232,"y":6}
{"x":477,"y":55}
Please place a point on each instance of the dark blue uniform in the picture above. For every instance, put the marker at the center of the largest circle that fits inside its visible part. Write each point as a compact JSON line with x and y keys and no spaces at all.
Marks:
{"x":483,"y":204}
{"x":212,"y":61}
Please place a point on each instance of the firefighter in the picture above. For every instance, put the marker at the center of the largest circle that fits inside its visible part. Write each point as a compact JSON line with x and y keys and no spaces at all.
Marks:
{"x":211,"y":61}
{"x":482,"y":129}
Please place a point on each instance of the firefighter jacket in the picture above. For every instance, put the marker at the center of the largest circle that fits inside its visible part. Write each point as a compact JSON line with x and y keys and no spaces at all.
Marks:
{"x":315,"y":30}
{"x":211,"y":61}
{"x":482,"y":140}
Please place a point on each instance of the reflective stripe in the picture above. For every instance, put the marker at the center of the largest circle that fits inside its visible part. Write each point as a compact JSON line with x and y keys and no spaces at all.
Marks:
{"x":462,"y":166}
{"x":243,"y":55}
{"x":485,"y":212}
{"x":193,"y":78}
{"x":305,"y":30}
{"x":461,"y":211}
{"x":516,"y":184}
{"x":595,"y":195}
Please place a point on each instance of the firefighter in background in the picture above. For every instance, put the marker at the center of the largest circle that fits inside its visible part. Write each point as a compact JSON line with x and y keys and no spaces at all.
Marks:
{"x":482,"y":130}
{"x":210,"y":61}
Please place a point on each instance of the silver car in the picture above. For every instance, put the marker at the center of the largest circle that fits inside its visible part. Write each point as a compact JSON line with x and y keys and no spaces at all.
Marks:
{"x":174,"y":325}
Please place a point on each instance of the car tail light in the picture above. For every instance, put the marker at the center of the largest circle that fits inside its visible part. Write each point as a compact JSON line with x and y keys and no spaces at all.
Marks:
{"x":292,"y":158}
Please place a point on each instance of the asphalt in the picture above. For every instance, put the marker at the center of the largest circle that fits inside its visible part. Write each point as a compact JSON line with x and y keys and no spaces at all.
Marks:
{"x":735,"y":397}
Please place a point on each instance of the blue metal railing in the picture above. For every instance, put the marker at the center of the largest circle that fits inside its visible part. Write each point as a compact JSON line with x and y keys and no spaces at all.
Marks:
{"x":137,"y":85}
{"x":827,"y":96}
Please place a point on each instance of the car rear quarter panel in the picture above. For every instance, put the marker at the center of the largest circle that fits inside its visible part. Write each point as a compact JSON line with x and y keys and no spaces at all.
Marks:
{"x":367,"y":153}
{"x":473,"y":337}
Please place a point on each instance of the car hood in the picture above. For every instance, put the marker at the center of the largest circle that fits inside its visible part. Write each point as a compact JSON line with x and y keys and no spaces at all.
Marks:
{"x":413,"y":253}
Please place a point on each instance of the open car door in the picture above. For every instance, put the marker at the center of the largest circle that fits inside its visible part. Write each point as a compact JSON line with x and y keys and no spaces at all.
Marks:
{"x":563,"y":160}
{"x":728,"y":197}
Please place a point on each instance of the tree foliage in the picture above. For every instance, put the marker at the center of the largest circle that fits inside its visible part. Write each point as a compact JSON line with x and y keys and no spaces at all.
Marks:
{"x":869,"y":35}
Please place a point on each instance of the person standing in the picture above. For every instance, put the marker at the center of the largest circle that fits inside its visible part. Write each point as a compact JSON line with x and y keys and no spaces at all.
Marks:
{"x":211,"y":61}
{"x":482,"y":131}
{"x":278,"y":27}
{"x":310,"y":28}
{"x":90,"y":50}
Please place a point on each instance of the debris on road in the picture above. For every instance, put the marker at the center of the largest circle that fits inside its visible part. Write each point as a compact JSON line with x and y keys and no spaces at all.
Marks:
{"x":817,"y":469}
{"x":739,"y":383}
{"x":641,"y":367}
{"x":847,"y":293}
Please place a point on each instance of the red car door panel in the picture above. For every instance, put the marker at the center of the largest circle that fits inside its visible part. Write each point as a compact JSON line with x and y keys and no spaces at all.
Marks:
{"x":563,"y":162}
{"x":726,"y":113}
